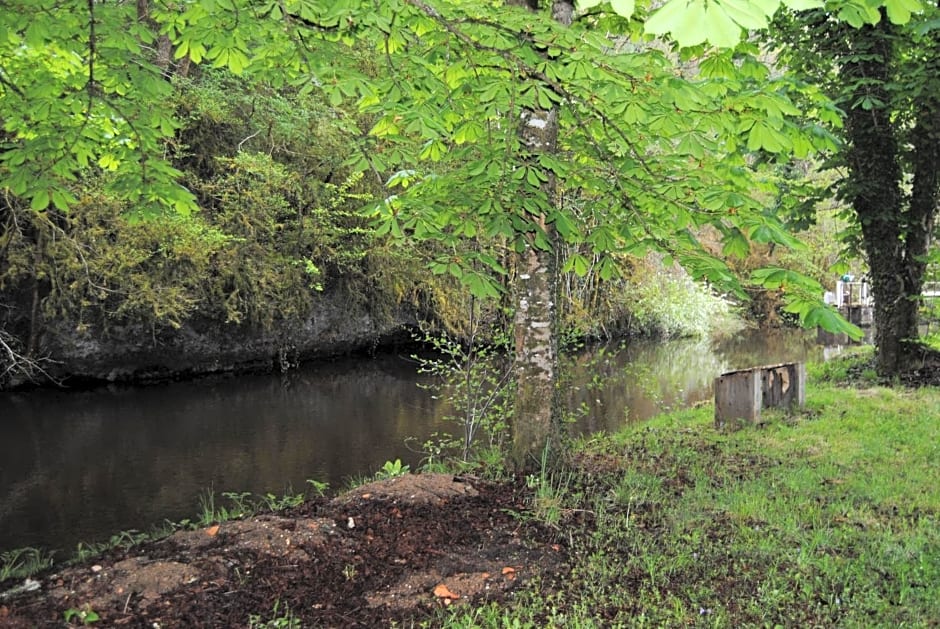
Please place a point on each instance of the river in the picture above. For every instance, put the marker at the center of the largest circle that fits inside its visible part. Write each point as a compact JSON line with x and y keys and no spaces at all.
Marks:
{"x":79,"y":466}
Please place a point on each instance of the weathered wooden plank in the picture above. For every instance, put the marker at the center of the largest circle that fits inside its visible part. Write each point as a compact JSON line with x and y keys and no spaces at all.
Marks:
{"x":737,"y":398}
{"x":741,"y":395}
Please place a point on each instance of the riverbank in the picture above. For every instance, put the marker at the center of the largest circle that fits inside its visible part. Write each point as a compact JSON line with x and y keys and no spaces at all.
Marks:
{"x":79,"y":465}
{"x":827,"y":517}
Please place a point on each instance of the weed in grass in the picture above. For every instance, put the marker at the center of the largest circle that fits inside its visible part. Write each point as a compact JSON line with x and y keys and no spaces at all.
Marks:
{"x":553,"y":493}
{"x":85,"y":551}
{"x":208,"y":513}
{"x":356,"y":480}
{"x":243,"y":504}
{"x":636,"y":488}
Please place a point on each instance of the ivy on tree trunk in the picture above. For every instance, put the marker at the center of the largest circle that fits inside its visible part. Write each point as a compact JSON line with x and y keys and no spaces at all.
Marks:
{"x":885,"y":77}
{"x":896,"y":226}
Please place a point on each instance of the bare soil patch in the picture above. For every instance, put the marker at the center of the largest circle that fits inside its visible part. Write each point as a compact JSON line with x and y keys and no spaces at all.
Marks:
{"x":391,"y":551}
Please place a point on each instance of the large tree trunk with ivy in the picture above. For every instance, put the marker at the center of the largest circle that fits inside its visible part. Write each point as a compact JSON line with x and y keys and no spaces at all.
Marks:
{"x":896,"y":227}
{"x":537,"y":415}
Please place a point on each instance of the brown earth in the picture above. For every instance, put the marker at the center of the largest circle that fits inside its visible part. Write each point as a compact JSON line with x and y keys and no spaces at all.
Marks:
{"x":392,"y":551}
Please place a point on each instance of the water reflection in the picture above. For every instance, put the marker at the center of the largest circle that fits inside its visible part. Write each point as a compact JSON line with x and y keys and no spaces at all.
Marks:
{"x":81,"y":466}
{"x":77,"y":466}
{"x":642,"y":380}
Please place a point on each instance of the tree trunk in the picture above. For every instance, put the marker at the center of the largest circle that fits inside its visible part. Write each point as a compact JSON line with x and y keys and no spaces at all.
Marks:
{"x":163,"y":54}
{"x":536,"y":423}
{"x":893,"y":249}
{"x":537,"y":415}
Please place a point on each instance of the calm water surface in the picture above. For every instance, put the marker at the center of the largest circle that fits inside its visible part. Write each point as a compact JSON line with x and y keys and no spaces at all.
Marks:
{"x":80,"y":466}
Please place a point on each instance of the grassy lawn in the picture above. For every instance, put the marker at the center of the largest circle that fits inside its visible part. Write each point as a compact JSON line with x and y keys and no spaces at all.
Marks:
{"x":827,"y":517}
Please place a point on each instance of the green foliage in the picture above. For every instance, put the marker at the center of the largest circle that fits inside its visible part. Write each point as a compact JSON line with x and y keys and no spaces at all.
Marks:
{"x":257,"y":257}
{"x":645,"y":298}
{"x":85,"y":615}
{"x":653,"y":148}
{"x":80,"y":97}
{"x":282,"y":247}
{"x":659,"y":151}
{"x":392,"y":469}
{"x":473,"y":375}
{"x":23,"y":562}
{"x":724,"y":23}
{"x":670,"y":305}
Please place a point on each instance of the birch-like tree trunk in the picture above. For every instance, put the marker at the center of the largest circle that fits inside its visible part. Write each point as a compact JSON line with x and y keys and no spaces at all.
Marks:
{"x":537,"y":413}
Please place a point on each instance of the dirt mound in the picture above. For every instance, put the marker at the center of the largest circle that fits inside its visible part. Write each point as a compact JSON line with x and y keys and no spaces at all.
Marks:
{"x":390,"y":551}
{"x":412,"y":489}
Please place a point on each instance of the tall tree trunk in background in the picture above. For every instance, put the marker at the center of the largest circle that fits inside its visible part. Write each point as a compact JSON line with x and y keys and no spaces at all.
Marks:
{"x":896,"y":231}
{"x":537,"y":415}
{"x":163,"y":54}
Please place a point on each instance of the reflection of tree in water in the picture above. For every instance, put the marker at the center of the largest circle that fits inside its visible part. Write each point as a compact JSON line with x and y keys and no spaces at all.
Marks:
{"x":759,"y":347}
{"x":647,"y":378}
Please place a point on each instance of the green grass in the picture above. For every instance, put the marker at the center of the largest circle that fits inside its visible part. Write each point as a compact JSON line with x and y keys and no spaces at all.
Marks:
{"x":825,"y":518}
{"x":23,"y":562}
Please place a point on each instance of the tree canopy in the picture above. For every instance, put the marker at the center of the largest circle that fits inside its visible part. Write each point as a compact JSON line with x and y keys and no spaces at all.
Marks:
{"x":584,"y":135}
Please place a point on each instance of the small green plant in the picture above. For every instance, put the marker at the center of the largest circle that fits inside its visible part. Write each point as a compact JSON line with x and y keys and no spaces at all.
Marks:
{"x":242,"y":505}
{"x":23,"y":562}
{"x":280,"y":503}
{"x":552,"y":492}
{"x":210,"y":513}
{"x":127,"y":539}
{"x":282,"y":619}
{"x":318,"y":487}
{"x":473,"y":377}
{"x":85,"y":615}
{"x":392,"y":469}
